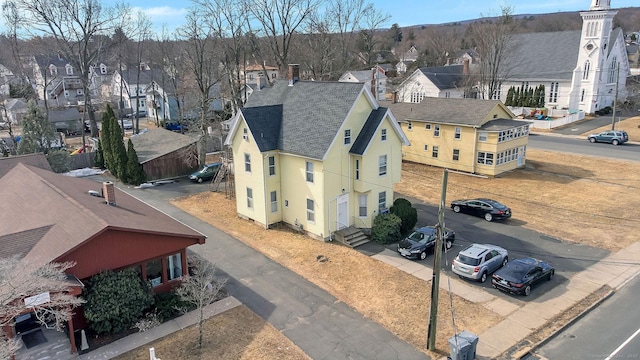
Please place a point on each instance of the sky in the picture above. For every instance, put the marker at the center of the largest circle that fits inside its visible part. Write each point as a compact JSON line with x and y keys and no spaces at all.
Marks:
{"x":402,"y":12}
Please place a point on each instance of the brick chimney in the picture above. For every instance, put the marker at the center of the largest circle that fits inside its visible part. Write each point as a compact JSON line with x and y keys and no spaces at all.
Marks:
{"x":293,"y":74}
{"x":465,"y":67}
{"x":394,"y":97}
{"x":109,"y":193}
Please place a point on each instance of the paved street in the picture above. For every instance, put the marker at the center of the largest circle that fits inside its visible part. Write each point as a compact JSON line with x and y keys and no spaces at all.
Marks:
{"x":628,"y":151}
{"x":608,"y":332}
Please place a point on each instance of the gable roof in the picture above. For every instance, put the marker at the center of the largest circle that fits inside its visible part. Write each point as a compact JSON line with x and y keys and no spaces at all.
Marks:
{"x":359,"y":75}
{"x":544,"y":55}
{"x":312,"y":113}
{"x":154,"y":143}
{"x":264,"y":123}
{"x":37,"y":160}
{"x":146,"y":76}
{"x":467,"y":112}
{"x":613,"y":38}
{"x":16,"y":104}
{"x":444,"y":77}
{"x":68,"y":216}
{"x":368,"y":130}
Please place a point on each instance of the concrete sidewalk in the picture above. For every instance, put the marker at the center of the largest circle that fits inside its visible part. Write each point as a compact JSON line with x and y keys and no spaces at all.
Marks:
{"x":520,"y":322}
{"x":136,"y":340}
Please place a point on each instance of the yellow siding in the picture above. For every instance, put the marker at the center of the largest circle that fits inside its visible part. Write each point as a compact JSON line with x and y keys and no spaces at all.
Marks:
{"x":296,"y":190}
{"x":273,"y":184}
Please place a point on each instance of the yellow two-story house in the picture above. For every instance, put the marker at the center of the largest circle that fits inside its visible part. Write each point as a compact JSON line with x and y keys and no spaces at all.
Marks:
{"x":318,"y":156}
{"x":470,"y":135}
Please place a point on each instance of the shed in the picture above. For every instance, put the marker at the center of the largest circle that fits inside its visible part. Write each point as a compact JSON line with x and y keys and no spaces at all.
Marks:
{"x":165,"y":154}
{"x":66,"y":120}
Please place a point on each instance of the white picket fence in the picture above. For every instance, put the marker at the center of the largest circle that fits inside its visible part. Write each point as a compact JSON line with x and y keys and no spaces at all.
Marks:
{"x":559,"y":117}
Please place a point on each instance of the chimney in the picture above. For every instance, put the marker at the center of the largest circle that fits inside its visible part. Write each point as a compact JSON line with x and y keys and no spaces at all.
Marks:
{"x":465,"y":67}
{"x":448,"y":61}
{"x":294,"y":74}
{"x":109,"y":192}
{"x":394,"y":97}
{"x":258,"y":84}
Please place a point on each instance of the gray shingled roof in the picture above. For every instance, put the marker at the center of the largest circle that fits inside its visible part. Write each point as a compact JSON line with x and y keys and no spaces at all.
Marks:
{"x":632,"y":48}
{"x":544,"y":56}
{"x":71,"y":114}
{"x":368,"y":131}
{"x":146,"y":76}
{"x":312,"y":113}
{"x":158,"y":142}
{"x":444,"y":77}
{"x":502,"y":124}
{"x":468,"y":112}
{"x":361,"y":75}
{"x":264,"y":123}
{"x":37,"y":160}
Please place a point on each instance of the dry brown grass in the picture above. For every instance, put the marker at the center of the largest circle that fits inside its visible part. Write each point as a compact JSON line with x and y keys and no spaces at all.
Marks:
{"x":630,"y":125}
{"x":396,"y":300}
{"x":235,"y":334}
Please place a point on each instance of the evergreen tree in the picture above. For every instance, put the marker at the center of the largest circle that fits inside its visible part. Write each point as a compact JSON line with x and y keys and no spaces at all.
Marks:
{"x":99,"y":157}
{"x":119,"y":152}
{"x":509,"y":100}
{"x":38,"y":134}
{"x":530,"y":97}
{"x":134,"y":171}
{"x":541,"y":100}
{"x":536,"y":97}
{"x":105,"y":140}
{"x":516,"y":97}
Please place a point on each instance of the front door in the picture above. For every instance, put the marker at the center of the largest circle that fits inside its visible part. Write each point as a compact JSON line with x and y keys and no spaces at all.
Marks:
{"x":343,"y":211}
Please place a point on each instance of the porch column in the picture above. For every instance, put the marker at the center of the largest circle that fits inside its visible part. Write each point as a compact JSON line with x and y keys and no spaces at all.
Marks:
{"x":72,"y":336}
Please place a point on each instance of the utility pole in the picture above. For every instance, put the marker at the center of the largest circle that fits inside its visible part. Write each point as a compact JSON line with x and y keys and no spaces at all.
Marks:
{"x":437,"y":258}
{"x":615,"y":99}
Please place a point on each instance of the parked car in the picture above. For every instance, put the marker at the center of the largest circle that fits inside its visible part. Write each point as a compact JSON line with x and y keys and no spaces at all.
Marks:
{"x":477,"y":261}
{"x":141,"y":114}
{"x":3,"y":125}
{"x":519,"y":275}
{"x":613,"y":137}
{"x":174,"y":126}
{"x":126,"y":124}
{"x":206,"y":173}
{"x":422,"y":241}
{"x":486,"y":208}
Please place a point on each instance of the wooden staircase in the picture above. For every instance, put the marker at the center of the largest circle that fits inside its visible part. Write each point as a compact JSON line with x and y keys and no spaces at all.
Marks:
{"x":351,"y":236}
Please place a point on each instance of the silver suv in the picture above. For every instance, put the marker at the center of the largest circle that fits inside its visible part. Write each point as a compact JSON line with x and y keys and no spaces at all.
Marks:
{"x":477,"y":261}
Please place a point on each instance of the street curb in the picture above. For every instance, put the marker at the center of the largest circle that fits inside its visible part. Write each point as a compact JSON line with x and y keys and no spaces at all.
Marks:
{"x":527,"y":350}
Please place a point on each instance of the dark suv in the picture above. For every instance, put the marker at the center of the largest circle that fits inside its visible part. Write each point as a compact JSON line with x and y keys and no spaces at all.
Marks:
{"x":614,"y":137}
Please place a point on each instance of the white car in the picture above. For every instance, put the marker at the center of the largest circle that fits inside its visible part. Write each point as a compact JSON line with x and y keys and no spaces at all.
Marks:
{"x":126,"y":124}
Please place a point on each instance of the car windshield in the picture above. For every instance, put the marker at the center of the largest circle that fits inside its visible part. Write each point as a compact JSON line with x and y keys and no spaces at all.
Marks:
{"x":416,"y":236}
{"x":205,"y":170}
{"x":468,"y":260}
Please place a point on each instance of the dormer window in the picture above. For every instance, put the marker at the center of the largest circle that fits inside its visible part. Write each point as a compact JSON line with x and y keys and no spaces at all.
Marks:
{"x":53,"y":70}
{"x":69,"y":69}
{"x":103,"y":69}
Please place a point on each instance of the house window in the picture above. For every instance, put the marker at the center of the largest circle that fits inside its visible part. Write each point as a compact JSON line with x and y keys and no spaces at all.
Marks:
{"x":69,"y":69}
{"x":383,"y":135}
{"x":362,"y":205}
{"x":274,"y":202}
{"x":53,"y":70}
{"x":587,"y":67}
{"x":613,"y":70}
{"x":154,"y":272}
{"x":382,"y":165}
{"x":582,"y":96}
{"x":553,"y":93}
{"x":456,"y":154}
{"x":382,"y":200}
{"x":174,"y":266}
{"x":347,"y":137}
{"x":436,"y":131}
{"x":357,"y":169}
{"x":416,"y":97}
{"x":427,"y":126}
{"x":447,"y":94}
{"x":434,"y":151}
{"x":497,"y":92}
{"x":79,"y":91}
{"x":311,"y":212}
{"x":410,"y":126}
{"x":485,"y":158}
{"x":272,"y":165}
{"x":426,"y":147}
{"x":245,"y":134}
{"x":458,"y":133}
{"x":482,"y":136}
{"x":103,"y":69}
{"x":309,"y":171}
{"x":250,"y":198}
{"x":247,"y":162}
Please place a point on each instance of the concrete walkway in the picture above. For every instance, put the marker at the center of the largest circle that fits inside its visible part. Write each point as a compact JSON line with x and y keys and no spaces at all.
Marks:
{"x":521,"y":321}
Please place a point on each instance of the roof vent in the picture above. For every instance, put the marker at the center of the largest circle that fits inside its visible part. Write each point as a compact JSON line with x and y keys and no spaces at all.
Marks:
{"x":94,"y":193}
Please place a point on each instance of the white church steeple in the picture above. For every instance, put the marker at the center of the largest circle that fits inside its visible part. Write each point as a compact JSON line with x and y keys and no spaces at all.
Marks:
{"x":600,"y":5}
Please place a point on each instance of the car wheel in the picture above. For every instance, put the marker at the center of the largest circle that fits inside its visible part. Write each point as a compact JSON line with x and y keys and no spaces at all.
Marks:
{"x":527,"y":290}
{"x":488,"y":216}
{"x":199,"y":180}
{"x":456,"y":209}
{"x":615,"y":142}
{"x":423,"y":255}
{"x":483,"y":277}
{"x":505,"y":261}
{"x":592,"y":140}
{"x":551,"y":275}
{"x":448,"y":244}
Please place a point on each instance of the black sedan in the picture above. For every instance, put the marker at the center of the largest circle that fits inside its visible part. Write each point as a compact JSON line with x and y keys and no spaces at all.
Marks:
{"x":486,"y":208}
{"x":519,"y":275}
{"x":422,"y":241}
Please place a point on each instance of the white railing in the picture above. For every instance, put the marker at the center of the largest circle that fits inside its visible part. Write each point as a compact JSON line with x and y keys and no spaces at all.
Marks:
{"x":554,"y":123}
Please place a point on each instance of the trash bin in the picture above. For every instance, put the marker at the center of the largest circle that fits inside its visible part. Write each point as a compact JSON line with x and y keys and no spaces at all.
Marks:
{"x":459,"y":348}
{"x":472,"y":339}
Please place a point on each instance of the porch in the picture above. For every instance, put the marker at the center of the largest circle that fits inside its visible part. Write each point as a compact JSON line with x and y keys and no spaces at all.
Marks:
{"x":43,"y":343}
{"x":351,"y":236}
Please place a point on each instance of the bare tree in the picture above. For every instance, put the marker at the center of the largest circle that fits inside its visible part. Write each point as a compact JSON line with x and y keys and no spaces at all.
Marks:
{"x":18,"y":281}
{"x":200,"y":288}
{"x":348,"y":16}
{"x":492,"y":38}
{"x":143,"y":33}
{"x":280,"y":19}
{"x":368,"y":40}
{"x":75,"y":25}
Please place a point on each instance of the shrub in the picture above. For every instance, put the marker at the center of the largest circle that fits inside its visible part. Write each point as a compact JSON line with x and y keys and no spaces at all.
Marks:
{"x":408,"y":214}
{"x":170,"y":305}
{"x":116,"y":300}
{"x":386,"y":228}
{"x":59,"y":160}
{"x":149,"y":321}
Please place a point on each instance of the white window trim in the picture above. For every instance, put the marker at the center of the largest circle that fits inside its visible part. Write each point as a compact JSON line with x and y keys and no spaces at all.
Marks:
{"x":274,"y":203}
{"x":309,"y":174}
{"x":271,"y":167}
{"x":247,"y":163}
{"x":249,"y":198}
{"x":311,"y":212}
{"x":458,"y":133}
{"x":366,"y":205}
{"x":382,"y":172}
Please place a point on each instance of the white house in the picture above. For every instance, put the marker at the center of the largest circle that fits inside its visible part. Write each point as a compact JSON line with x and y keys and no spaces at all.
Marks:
{"x":375,"y":77}
{"x":449,"y":81}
